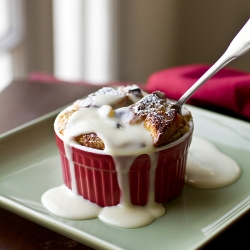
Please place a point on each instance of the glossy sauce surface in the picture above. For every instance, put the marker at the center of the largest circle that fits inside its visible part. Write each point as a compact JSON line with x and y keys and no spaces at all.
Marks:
{"x":208,"y":168}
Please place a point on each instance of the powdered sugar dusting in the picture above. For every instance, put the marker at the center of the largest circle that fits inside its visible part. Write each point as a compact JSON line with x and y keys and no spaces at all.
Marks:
{"x":153,"y":103}
{"x":132,"y":90}
{"x":107,"y":91}
{"x":85,"y":102}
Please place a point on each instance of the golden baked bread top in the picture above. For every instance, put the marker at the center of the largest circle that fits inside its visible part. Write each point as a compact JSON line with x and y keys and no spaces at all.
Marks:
{"x":164,"y":123}
{"x":125,"y":107}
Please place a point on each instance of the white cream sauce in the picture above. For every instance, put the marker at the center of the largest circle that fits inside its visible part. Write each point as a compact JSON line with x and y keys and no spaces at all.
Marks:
{"x":208,"y":168}
{"x":62,"y":202}
{"x":66,"y":203}
{"x":124,"y":142}
{"x":126,"y":214}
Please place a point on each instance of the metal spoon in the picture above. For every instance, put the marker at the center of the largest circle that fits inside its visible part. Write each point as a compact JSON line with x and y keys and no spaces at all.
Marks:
{"x":238,"y":47}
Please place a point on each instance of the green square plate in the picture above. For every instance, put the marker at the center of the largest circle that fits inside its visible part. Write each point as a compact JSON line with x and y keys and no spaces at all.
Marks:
{"x":32,"y":166}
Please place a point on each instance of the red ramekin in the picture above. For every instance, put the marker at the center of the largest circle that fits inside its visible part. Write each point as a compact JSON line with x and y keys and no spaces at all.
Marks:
{"x":96,"y":175}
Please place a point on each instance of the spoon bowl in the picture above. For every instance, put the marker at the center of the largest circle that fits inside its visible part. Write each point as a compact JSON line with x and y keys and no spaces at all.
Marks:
{"x":238,"y":47}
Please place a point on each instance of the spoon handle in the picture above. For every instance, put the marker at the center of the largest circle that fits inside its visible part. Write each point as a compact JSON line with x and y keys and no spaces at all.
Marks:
{"x":238,"y":47}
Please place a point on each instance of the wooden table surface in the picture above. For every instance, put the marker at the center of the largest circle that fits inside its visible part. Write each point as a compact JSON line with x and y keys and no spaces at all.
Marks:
{"x":23,"y":101}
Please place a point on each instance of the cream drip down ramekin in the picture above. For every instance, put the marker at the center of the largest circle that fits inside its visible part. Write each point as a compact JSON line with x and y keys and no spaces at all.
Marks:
{"x":96,"y":177}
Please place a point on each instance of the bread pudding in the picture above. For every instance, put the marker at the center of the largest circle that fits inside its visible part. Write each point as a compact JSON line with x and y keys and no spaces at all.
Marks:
{"x":123,"y":153}
{"x":130,"y":105}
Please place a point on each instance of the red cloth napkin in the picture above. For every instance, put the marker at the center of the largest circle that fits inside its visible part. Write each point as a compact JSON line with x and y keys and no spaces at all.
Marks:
{"x":228,"y":89}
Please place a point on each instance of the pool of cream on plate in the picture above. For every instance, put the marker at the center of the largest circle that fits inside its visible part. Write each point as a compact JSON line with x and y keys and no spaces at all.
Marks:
{"x":131,"y":141}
